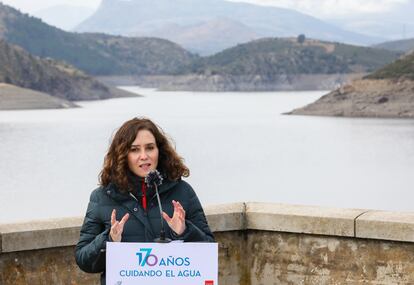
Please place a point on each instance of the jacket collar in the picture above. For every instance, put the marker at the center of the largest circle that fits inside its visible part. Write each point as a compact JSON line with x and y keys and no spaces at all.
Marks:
{"x":113,"y":191}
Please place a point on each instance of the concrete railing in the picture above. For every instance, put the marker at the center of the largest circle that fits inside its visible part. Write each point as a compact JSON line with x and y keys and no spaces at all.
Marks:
{"x":260,"y":243}
{"x":358,"y":223}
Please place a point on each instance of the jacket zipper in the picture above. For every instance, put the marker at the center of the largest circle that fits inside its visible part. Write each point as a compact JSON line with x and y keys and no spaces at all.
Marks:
{"x":135,"y":198}
{"x":132,"y":195}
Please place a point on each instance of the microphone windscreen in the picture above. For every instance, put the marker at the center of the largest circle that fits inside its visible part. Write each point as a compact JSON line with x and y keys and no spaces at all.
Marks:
{"x":153,"y":178}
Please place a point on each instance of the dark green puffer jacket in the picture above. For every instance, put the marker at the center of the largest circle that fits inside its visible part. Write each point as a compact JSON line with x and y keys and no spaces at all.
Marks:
{"x":142,"y":226}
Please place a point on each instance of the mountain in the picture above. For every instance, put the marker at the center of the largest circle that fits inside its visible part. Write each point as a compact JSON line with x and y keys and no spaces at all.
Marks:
{"x":96,"y":54}
{"x":155,"y":17}
{"x":275,"y":64}
{"x":405,"y":46}
{"x":212,"y":36}
{"x":387,"y":93}
{"x":19,"y":68}
{"x":65,"y":17}
{"x":275,"y":56}
{"x":265,"y":64}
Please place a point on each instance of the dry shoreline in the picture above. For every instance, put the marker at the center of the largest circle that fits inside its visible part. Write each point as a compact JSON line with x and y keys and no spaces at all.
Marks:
{"x":17,"y":98}
{"x":374,"y":98}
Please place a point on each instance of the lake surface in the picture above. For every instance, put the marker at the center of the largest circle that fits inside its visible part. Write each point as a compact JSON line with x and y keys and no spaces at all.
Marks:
{"x":238,"y":147}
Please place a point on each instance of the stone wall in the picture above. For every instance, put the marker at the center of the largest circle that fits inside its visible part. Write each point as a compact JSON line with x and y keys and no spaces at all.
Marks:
{"x":259,"y":243}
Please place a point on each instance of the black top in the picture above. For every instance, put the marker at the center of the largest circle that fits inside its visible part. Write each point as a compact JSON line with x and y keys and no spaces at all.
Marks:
{"x":142,"y":226}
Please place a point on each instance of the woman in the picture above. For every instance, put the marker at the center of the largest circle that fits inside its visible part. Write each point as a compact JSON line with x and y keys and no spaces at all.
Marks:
{"x":124,"y":209}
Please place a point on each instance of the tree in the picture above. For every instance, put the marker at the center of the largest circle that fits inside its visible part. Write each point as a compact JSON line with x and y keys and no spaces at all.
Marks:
{"x":301,"y":38}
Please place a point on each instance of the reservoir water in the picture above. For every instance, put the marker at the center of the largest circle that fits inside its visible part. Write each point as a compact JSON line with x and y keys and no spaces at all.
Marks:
{"x":238,"y":146}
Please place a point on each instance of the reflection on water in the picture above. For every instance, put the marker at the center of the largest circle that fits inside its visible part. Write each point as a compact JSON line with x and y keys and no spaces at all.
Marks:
{"x":238,"y":147}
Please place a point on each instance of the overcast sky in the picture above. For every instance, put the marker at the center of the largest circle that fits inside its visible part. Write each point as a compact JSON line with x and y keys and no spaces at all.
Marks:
{"x":317,"y":8}
{"x":333,"y":8}
{"x":36,"y":5}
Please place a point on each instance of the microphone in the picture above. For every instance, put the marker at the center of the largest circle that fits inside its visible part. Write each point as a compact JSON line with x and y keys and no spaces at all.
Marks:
{"x":154,"y":179}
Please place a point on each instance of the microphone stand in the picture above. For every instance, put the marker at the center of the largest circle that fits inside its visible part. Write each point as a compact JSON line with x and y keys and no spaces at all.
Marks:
{"x":154,"y":179}
{"x":162,"y":238}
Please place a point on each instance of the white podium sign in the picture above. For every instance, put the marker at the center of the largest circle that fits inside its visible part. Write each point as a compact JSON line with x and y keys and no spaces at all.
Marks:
{"x":161,"y":264}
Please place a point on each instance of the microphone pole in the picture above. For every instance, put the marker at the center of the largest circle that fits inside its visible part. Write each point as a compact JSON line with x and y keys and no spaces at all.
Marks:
{"x":154,"y":179}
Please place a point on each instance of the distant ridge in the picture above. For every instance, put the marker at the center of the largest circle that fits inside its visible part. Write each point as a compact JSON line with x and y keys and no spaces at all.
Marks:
{"x":155,"y":17}
{"x":405,"y":45}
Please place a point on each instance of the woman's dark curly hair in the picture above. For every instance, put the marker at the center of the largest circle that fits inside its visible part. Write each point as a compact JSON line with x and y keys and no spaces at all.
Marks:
{"x":115,"y":169}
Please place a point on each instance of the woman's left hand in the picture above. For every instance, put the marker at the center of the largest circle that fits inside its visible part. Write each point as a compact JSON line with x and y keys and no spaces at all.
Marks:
{"x":177,"y":222}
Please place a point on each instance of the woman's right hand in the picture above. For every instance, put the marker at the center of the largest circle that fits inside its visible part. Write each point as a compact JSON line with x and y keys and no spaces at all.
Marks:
{"x":117,"y":227}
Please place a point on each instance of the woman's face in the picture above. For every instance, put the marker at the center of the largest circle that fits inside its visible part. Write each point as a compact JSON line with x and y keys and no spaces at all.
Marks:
{"x":143,"y":154}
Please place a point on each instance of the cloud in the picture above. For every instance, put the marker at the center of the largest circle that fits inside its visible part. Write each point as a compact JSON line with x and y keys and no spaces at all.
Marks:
{"x":333,"y":8}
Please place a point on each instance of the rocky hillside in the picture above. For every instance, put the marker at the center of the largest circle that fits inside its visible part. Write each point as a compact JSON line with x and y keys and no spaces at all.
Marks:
{"x":275,"y":56}
{"x":389,"y":92}
{"x":275,"y":64}
{"x":96,"y":54}
{"x":402,"y":68}
{"x":18,"y":67}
